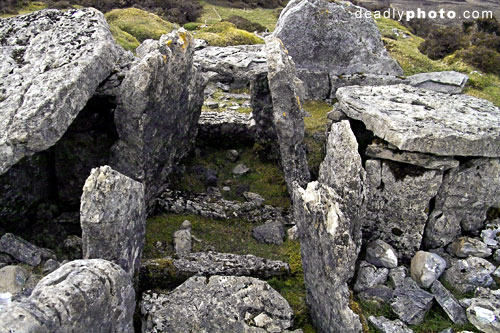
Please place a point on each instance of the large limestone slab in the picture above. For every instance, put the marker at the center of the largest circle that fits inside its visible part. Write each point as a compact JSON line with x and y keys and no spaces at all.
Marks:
{"x":113,"y":218}
{"x":52,"y":63}
{"x":425,"y":121}
{"x":158,"y":110}
{"x":446,"y":82}
{"x":217,"y":304}
{"x":81,"y":296}
{"x":398,"y":203}
{"x":288,"y":116}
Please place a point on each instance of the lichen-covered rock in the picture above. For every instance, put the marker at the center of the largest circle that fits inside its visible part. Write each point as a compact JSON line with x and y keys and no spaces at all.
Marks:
{"x":288,"y":116}
{"x":410,"y":303}
{"x":398,"y":201}
{"x":467,"y":246}
{"x":23,"y":250}
{"x":165,"y":272}
{"x":468,"y":274}
{"x":52,"y":63}
{"x":425,"y":121}
{"x":381,"y":254}
{"x":234,"y":65}
{"x":269,"y":233}
{"x":449,"y":82}
{"x":389,"y":326}
{"x":449,"y":303}
{"x":113,"y":218}
{"x":370,"y":276}
{"x":426,"y":268}
{"x":81,"y":296}
{"x":463,"y":200}
{"x":217,"y":304}
{"x":158,"y":109}
{"x":330,"y":38}
{"x":484,"y":311}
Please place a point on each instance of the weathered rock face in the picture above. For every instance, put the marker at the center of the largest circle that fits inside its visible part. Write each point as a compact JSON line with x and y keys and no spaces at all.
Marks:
{"x":329,"y":228}
{"x":234,"y":65}
{"x":326,"y":37}
{"x":425,"y":121}
{"x":113,"y":218}
{"x":445,"y":82}
{"x":288,"y":115}
{"x":167,"y":272}
{"x":218,"y":303}
{"x":52,"y":63}
{"x":162,"y":90}
{"x":463,"y":201}
{"x":398,"y":203}
{"x":81,"y":296}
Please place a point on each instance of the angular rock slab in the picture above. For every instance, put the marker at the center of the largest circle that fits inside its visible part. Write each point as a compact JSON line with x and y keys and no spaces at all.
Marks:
{"x":81,"y":296}
{"x":389,"y":326}
{"x":448,"y":82}
{"x":113,"y":218}
{"x":463,"y":200}
{"x":327,"y":35}
{"x":288,"y":116}
{"x":158,"y":110}
{"x":425,"y":121}
{"x":52,"y":63}
{"x":449,"y":303}
{"x":398,"y":201}
{"x":411,"y":303}
{"x":217,"y":304}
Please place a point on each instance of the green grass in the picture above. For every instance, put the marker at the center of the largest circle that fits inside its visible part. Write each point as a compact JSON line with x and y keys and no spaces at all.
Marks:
{"x":138,"y":23}
{"x":405,"y":51}
{"x":316,"y":124}
{"x":126,"y":40}
{"x":264,"y":178}
{"x":234,"y":236}
{"x":226,"y":34}
{"x":31,"y":7}
{"x":213,"y":14}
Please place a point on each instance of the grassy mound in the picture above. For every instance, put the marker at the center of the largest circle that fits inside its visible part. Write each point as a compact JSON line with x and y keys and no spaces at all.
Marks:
{"x":137,"y":23}
{"x":126,"y":40}
{"x":226,"y":34}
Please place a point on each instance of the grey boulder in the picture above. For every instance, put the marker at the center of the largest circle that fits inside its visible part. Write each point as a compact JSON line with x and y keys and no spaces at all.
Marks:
{"x":426,"y":268}
{"x":269,"y":233}
{"x":467,"y":246}
{"x":381,"y":254}
{"x":218,"y":303}
{"x":81,"y":296}
{"x":23,"y":250}
{"x":52,"y":63}
{"x":467,"y":274}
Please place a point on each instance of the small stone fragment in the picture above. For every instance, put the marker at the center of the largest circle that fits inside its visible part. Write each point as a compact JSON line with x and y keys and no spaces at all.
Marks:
{"x":232,"y":155}
{"x":21,"y":250}
{"x":240,"y":170}
{"x":183,"y":239}
{"x":381,"y":254}
{"x":50,"y":266}
{"x":370,"y":276}
{"x":254,"y":197}
{"x":389,"y":326}
{"x":397,"y":276}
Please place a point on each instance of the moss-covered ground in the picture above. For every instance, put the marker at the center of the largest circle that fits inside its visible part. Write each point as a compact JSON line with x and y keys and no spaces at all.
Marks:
{"x":228,"y":100}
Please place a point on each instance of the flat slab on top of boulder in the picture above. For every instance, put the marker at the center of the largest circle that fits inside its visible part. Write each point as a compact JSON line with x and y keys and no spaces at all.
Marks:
{"x":425,"y":121}
{"x":52,"y":63}
{"x":217,"y":304}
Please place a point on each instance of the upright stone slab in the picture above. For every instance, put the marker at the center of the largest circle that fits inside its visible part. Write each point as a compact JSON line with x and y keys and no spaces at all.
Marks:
{"x":158,"y":109}
{"x":52,"y":63}
{"x":113,"y":219}
{"x":81,"y":296}
{"x":329,"y":39}
{"x":398,"y":202}
{"x":329,"y":214}
{"x":287,"y":113}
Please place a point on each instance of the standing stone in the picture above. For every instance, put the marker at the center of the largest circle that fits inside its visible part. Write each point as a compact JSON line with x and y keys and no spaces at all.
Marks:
{"x":113,"y":218}
{"x":183,"y":239}
{"x":158,"y":109}
{"x":287,"y":113}
{"x":328,"y":39}
{"x":81,"y":296}
{"x":217,"y":304}
{"x":52,"y":63}
{"x":398,"y":203}
{"x":463,"y":201}
{"x":426,"y":268}
{"x":381,"y":254}
{"x":449,"y":303}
